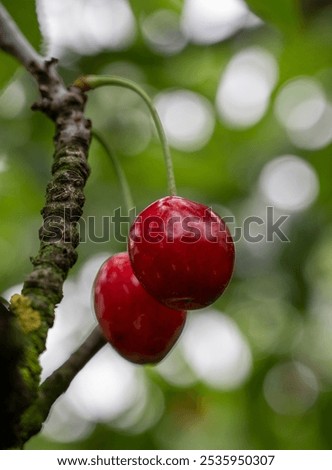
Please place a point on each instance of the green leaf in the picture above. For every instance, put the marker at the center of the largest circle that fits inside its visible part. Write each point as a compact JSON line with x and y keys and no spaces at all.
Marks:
{"x":285,"y":14}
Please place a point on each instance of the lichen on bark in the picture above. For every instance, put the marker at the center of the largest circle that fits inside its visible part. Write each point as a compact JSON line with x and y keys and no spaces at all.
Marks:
{"x":28,"y":318}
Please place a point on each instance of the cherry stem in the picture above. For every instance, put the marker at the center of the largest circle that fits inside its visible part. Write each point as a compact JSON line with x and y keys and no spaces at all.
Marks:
{"x":90,"y":82}
{"x":127,"y":197}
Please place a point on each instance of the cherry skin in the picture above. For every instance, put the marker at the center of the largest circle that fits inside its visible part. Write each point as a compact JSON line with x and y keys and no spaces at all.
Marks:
{"x":140,"y":328}
{"x":182,"y":252}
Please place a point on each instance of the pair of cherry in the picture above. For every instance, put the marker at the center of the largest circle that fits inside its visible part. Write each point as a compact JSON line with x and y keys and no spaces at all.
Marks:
{"x":180,"y":256}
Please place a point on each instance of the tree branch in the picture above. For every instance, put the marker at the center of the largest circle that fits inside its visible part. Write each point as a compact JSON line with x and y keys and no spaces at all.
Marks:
{"x":57,"y":383}
{"x":33,"y":309}
{"x":13,"y":42}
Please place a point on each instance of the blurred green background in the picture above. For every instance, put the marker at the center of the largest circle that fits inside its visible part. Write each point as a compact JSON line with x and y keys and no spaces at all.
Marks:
{"x":245,"y":98}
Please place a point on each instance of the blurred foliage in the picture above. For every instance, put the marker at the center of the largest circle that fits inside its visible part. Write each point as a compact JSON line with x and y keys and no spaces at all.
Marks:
{"x":280,"y":295}
{"x":285,"y":14}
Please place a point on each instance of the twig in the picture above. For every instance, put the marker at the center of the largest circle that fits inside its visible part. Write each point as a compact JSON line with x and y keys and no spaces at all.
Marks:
{"x":13,"y":42}
{"x":58,"y":382}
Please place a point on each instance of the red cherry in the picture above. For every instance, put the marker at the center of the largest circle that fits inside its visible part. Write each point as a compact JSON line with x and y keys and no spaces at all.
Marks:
{"x":139,"y":327}
{"x":182,"y":252}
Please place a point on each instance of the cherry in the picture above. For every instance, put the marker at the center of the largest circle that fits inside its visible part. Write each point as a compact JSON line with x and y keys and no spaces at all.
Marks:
{"x":182,"y":252}
{"x":139,"y":327}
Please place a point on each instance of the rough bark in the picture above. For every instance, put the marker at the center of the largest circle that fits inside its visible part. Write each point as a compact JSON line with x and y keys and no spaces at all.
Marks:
{"x":24,"y":326}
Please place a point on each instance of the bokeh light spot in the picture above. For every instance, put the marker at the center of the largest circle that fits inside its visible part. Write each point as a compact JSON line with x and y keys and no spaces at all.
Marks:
{"x":146,"y":412}
{"x":64,"y":424}
{"x":245,"y":87}
{"x":103,"y":24}
{"x":290,"y":388}
{"x":303,"y":110}
{"x":188,"y":118}
{"x":106,"y":387}
{"x":216,"y":350}
{"x":300,"y":103}
{"x":319,"y":135}
{"x":110,"y":24}
{"x":290,"y":183}
{"x":175,"y":370}
{"x":161,"y":31}
{"x":207,"y":22}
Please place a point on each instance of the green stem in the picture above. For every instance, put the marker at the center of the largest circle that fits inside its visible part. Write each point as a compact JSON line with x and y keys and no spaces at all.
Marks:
{"x":89,"y":82}
{"x":128,"y":200}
